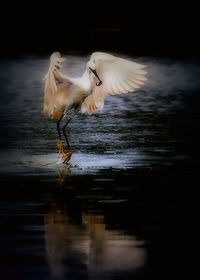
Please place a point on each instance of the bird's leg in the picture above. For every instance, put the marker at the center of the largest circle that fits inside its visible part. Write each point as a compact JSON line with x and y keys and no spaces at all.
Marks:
{"x":61,"y":147}
{"x":69,"y":153}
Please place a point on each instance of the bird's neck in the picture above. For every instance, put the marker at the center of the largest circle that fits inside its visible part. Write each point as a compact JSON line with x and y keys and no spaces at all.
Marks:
{"x":85,"y":82}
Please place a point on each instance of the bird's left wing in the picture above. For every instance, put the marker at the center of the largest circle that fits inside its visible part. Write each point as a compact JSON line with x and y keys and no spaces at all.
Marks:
{"x":118,"y":76}
{"x":54,"y":67}
{"x":55,"y":81}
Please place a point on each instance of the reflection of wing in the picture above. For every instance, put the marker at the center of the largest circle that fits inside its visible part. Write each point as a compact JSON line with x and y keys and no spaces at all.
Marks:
{"x":91,"y":246}
{"x":118,"y":76}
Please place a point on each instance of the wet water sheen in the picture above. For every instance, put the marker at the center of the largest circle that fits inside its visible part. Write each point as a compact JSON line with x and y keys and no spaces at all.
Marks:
{"x":114,"y":212}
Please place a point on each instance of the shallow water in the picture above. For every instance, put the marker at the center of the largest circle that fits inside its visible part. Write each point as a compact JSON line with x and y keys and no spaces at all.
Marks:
{"x":112,"y":212}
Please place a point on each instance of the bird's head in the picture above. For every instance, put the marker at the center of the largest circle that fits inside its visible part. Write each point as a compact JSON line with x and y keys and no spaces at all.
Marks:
{"x":91,"y":68}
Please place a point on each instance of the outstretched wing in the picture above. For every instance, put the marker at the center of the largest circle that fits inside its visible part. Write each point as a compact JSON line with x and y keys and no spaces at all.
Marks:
{"x":55,"y":81}
{"x":55,"y":64}
{"x":118,"y":76}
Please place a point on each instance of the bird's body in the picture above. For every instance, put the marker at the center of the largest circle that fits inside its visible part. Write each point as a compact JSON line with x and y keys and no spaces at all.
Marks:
{"x":105,"y":74}
{"x":70,"y":93}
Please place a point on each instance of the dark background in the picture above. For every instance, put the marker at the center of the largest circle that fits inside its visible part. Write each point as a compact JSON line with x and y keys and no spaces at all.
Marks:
{"x":139,"y":30}
{"x":152,"y":29}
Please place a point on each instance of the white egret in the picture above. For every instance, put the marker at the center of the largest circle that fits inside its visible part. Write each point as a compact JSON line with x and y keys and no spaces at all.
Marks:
{"x":104,"y":74}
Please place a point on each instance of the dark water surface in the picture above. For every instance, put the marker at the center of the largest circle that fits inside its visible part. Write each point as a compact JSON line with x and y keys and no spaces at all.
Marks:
{"x":130,"y":194}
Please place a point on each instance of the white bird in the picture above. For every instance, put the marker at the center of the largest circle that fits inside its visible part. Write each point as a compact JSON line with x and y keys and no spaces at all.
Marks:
{"x":104,"y":74}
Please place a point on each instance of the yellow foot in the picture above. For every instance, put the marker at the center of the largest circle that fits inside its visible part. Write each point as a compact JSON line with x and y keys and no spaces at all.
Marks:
{"x":67,"y":156}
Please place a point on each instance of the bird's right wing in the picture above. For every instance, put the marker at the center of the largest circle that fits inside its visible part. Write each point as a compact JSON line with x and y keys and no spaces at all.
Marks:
{"x":118,"y":76}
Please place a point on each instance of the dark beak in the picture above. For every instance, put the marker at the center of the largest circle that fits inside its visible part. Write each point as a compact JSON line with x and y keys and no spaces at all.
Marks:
{"x":95,"y":73}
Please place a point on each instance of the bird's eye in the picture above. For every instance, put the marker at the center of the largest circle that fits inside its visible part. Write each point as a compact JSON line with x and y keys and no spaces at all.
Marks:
{"x":90,"y":72}
{"x":58,"y":61}
{"x":94,"y":61}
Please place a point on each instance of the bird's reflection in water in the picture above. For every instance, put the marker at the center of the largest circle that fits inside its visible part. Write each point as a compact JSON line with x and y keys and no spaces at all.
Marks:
{"x":64,"y":174}
{"x":81,"y":246}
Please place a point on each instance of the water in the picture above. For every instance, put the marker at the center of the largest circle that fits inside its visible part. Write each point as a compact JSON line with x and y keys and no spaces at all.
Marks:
{"x":114,"y":211}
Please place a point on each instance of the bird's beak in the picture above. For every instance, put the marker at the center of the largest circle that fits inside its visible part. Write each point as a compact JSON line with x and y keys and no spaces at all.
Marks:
{"x":95,"y":73}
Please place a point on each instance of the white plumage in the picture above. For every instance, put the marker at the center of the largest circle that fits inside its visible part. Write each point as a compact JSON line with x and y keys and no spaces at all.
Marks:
{"x":118,"y":76}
